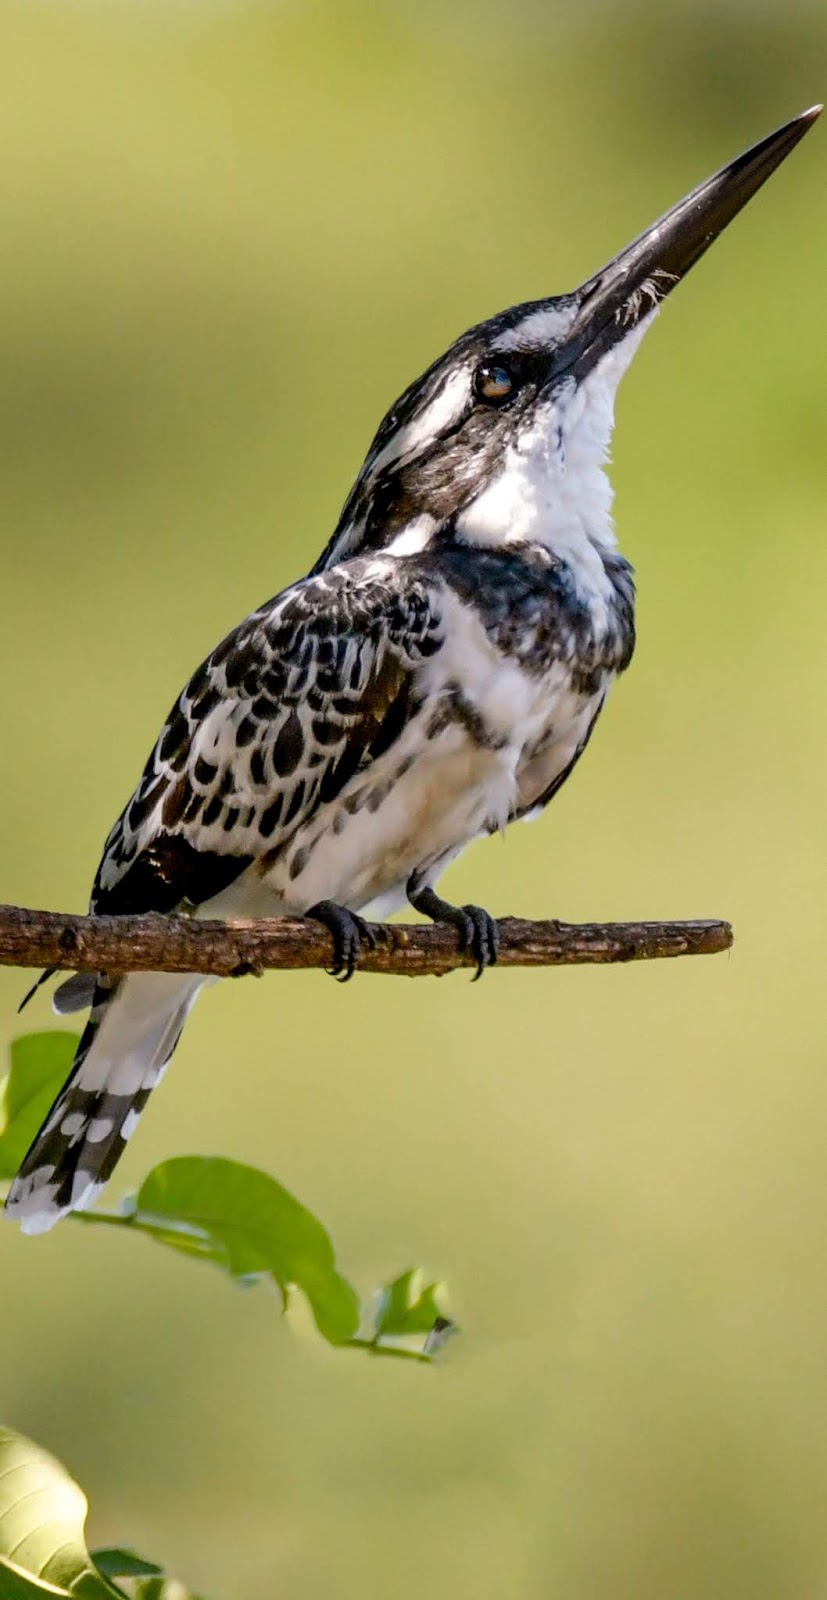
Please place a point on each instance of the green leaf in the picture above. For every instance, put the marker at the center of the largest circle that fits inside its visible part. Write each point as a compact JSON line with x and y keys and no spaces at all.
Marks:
{"x":40,"y":1064}
{"x":139,"y":1579}
{"x":42,"y":1516}
{"x":244,"y":1221}
{"x":404,"y":1308}
{"x":15,"y":1584}
{"x":157,"y":1588}
{"x":125,"y":1564}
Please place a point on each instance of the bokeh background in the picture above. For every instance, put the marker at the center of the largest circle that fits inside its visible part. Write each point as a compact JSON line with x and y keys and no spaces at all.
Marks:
{"x":231,"y":233}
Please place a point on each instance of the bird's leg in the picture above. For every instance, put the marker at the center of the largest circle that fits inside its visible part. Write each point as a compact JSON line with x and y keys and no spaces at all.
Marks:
{"x":478,"y":931}
{"x":350,"y":933}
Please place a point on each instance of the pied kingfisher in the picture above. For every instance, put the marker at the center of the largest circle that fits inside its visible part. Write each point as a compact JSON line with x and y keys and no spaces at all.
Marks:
{"x":436,"y":676}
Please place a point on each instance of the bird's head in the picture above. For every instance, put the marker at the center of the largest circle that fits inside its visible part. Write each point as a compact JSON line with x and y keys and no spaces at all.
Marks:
{"x":506,"y":435}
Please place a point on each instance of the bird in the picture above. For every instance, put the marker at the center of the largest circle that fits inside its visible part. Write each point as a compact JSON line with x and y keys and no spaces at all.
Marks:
{"x":436,"y":676}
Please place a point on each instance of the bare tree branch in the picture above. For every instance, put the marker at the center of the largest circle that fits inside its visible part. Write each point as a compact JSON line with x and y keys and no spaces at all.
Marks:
{"x":180,"y":944}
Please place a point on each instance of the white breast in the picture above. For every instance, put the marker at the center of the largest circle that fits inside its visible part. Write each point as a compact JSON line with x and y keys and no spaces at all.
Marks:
{"x":439,"y":786}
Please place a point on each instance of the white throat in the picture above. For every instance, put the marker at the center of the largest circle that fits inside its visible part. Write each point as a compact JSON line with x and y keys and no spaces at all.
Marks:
{"x":552,"y":487}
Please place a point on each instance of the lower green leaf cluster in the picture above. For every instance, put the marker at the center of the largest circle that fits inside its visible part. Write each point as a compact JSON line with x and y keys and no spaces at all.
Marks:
{"x":235,"y":1216}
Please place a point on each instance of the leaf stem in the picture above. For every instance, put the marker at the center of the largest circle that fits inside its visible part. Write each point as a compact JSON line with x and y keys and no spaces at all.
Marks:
{"x":375,"y":1348}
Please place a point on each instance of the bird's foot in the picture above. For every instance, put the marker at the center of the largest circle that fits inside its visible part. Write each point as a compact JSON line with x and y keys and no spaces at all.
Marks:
{"x":351,"y":934}
{"x":479,"y":932}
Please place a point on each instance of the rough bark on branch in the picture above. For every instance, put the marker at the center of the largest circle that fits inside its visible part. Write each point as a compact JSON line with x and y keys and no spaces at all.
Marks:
{"x":180,"y":944}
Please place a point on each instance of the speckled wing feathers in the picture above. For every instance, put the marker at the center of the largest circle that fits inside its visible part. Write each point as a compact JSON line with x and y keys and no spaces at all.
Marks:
{"x":309,"y":690}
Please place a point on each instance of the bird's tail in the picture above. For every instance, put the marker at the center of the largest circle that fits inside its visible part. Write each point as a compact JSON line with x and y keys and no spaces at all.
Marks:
{"x":133,"y":1028}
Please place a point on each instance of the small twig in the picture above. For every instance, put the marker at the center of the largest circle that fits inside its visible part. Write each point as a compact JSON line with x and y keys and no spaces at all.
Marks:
{"x":374,"y":1347}
{"x":155,"y":943}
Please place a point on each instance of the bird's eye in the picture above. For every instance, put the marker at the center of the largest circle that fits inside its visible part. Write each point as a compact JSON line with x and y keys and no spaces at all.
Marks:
{"x":494,"y":384}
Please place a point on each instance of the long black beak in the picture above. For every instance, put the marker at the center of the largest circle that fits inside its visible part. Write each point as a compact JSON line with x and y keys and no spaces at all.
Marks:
{"x":633,"y":283}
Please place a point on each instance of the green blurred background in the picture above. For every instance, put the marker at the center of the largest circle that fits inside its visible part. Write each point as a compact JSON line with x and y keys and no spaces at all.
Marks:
{"x":231,"y":234}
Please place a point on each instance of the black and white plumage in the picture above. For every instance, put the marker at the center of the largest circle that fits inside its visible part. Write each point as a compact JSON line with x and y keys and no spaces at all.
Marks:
{"x":435,"y":677}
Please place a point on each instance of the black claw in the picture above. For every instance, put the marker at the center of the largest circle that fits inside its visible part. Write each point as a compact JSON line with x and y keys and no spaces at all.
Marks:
{"x":247,"y":969}
{"x":351,"y":934}
{"x":483,"y":940}
{"x":479,"y":932}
